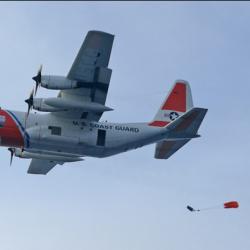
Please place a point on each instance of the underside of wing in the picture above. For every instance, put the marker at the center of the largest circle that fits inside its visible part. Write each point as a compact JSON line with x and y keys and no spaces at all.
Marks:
{"x":94,"y":52}
{"x":90,"y":70}
{"x":42,"y":167}
{"x":165,"y":149}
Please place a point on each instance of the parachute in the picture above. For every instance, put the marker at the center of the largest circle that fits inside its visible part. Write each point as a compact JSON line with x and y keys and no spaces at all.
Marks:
{"x":231,"y":204}
{"x":226,"y":205}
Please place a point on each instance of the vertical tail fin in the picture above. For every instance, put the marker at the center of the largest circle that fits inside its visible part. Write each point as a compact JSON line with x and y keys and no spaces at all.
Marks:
{"x":178,"y":101}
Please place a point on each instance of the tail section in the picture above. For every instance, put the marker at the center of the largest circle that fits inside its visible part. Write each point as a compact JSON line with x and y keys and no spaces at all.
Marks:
{"x":188,"y":124}
{"x":180,"y":132}
{"x":178,"y":101}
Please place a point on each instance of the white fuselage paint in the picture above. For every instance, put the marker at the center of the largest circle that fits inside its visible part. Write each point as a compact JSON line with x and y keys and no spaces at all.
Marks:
{"x":79,"y":137}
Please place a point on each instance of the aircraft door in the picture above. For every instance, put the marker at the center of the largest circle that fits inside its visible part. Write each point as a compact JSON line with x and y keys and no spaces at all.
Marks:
{"x":101,"y":137}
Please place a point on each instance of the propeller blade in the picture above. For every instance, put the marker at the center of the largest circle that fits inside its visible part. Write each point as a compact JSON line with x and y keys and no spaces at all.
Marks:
{"x":38,"y":78}
{"x":12,"y":151}
{"x":30,"y":102}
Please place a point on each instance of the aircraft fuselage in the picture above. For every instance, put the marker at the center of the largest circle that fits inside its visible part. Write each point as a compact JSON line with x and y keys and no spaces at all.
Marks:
{"x":51,"y":133}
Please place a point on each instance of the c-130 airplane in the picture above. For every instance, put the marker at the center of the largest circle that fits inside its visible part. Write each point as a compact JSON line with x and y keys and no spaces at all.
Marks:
{"x":71,"y":128}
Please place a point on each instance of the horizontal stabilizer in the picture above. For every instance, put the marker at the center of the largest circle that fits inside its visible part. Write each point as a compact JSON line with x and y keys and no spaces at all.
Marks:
{"x":181,"y":131}
{"x":181,"y":136}
{"x":165,"y":149}
{"x":189,"y":122}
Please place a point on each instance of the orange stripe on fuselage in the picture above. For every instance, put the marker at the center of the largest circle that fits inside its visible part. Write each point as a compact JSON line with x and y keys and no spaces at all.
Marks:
{"x":10,"y":134}
{"x":177,"y":99}
{"x":158,"y":123}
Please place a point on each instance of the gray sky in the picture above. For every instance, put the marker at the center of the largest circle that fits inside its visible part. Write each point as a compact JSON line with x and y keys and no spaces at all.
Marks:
{"x":132,"y":201}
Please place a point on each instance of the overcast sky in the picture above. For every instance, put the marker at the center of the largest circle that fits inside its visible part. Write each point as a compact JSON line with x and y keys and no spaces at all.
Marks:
{"x":132,"y":201}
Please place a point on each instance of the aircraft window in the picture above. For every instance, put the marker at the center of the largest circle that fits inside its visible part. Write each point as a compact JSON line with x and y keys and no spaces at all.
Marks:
{"x":55,"y":130}
{"x":2,"y":121}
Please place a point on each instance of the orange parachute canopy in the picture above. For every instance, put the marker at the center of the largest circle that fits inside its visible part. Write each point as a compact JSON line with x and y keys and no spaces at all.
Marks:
{"x":231,"y":204}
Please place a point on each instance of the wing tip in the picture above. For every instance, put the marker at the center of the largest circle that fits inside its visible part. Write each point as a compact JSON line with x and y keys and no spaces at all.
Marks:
{"x":100,"y":33}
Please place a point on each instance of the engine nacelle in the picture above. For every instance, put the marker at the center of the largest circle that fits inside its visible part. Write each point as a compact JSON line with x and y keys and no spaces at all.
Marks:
{"x":56,"y":104}
{"x":66,"y":104}
{"x":99,"y":74}
{"x":40,"y":105}
{"x":57,"y":82}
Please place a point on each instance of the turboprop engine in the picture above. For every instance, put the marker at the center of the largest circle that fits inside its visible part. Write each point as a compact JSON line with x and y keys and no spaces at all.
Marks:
{"x":59,"y":104}
{"x":55,"y":104}
{"x":97,"y":75}
{"x":40,"y":105}
{"x":57,"y":82}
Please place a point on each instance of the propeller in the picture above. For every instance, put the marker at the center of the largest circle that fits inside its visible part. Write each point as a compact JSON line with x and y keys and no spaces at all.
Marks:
{"x":38,"y":78}
{"x":30,"y":102}
{"x":12,"y":152}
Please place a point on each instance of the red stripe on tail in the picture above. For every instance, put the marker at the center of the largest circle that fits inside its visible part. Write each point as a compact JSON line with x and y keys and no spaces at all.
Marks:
{"x":177,"y":99}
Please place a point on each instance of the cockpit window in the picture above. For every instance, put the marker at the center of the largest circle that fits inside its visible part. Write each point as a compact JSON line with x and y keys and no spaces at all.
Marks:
{"x":2,"y":121}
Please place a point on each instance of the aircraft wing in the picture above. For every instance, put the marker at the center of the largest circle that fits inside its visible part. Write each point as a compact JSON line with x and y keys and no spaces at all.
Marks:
{"x":38,"y":166}
{"x":90,"y":70}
